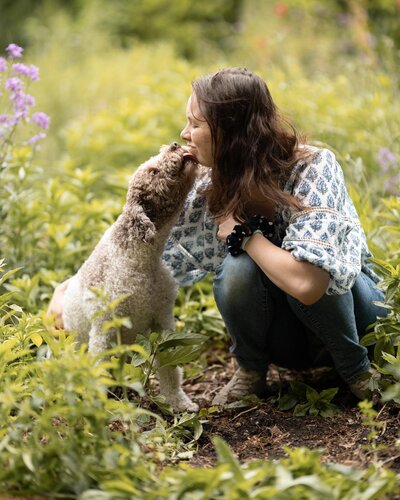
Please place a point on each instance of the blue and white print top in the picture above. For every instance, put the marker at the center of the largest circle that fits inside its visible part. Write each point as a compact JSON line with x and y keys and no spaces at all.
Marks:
{"x":326,"y":233}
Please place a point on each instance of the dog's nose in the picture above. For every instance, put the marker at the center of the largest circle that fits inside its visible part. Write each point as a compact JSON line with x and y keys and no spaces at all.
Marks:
{"x":174,"y":146}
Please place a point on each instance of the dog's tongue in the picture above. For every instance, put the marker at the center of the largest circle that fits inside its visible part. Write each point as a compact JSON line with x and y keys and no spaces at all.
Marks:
{"x":188,"y":156}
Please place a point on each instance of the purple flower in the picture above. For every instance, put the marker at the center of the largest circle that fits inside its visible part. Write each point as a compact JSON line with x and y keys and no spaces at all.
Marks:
{"x":386,"y":159}
{"x":14,"y":50}
{"x":392,"y":185}
{"x":22,"y":102}
{"x":14,"y":84}
{"x":31,"y":71}
{"x":3,"y":64}
{"x":8,"y":120}
{"x":36,"y":138}
{"x":41,"y":119}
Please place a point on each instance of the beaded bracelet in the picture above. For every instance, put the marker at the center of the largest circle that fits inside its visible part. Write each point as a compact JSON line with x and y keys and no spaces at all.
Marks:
{"x":240,"y":235}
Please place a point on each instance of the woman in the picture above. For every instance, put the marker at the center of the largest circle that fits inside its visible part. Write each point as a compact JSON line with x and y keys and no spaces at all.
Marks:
{"x":297,"y":272}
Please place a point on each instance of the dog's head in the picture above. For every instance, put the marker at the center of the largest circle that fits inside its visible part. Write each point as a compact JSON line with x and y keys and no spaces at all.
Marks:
{"x":158,"y":189}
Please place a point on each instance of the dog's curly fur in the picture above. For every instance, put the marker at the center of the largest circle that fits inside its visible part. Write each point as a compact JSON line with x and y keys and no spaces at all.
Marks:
{"x":127,"y":260}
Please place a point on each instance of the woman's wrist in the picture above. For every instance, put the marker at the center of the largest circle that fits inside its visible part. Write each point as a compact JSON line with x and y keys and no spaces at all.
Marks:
{"x":248,"y":238}
{"x":241,"y":233}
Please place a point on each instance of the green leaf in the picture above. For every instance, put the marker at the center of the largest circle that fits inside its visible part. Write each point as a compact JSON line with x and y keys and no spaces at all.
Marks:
{"x":226,"y":456}
{"x":179,"y":356}
{"x":368,"y":339}
{"x":36,"y":339}
{"x":6,"y":275}
{"x":329,"y":411}
{"x":287,"y":402}
{"x":389,"y":358}
{"x":198,"y":429}
{"x":299,"y":389}
{"x":118,"y":486}
{"x":328,"y":394}
{"x":391,"y":291}
{"x":301,"y":410}
{"x":96,"y":495}
{"x":27,"y":458}
{"x":312,"y":395}
{"x":173,"y":339}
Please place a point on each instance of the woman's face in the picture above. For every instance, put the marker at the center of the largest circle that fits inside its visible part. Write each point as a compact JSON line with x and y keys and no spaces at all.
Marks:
{"x":197,"y":133}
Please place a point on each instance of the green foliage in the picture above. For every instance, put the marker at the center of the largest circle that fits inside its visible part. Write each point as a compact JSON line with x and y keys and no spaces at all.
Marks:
{"x":197,"y":312}
{"x":301,"y":475}
{"x":386,"y":331}
{"x":150,"y":114}
{"x":370,"y":420}
{"x":306,"y":400}
{"x":60,"y":432}
{"x":169,"y":348}
{"x":389,"y":217}
{"x":188,"y":26}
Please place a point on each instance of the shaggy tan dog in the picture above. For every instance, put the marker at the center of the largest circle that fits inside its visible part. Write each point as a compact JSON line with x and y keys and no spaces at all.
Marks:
{"x":127,"y":260}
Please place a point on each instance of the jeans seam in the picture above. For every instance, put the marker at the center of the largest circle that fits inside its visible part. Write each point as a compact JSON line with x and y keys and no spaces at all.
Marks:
{"x":317,"y":325}
{"x":328,"y":340}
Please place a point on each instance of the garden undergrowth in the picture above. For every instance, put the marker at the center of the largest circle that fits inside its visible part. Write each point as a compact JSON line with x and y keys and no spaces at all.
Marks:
{"x":65,"y":430}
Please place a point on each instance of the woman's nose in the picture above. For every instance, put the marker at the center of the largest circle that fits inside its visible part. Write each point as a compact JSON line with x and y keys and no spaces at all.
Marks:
{"x":185,"y":134}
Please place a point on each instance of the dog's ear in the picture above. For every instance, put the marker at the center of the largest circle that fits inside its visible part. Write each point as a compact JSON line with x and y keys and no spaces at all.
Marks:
{"x":140,"y":227}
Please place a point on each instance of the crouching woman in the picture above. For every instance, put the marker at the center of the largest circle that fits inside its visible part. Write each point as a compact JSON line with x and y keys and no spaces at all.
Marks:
{"x":295,"y":270}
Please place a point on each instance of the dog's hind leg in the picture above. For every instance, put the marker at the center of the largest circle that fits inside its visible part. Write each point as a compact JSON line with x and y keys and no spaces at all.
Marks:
{"x":99,"y":341}
{"x":170,"y":379}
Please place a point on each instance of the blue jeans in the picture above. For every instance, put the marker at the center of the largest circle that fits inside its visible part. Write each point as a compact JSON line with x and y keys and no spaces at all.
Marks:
{"x":267,"y":325}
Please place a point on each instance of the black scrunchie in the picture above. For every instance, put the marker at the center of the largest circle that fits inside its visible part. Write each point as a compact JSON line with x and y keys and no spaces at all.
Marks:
{"x":234,"y":240}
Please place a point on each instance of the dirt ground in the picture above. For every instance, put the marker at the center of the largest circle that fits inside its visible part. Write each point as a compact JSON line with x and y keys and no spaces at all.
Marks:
{"x":261,"y":431}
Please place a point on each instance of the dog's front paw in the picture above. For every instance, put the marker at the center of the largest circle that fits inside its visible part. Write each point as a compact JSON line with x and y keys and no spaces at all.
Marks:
{"x":182,"y":402}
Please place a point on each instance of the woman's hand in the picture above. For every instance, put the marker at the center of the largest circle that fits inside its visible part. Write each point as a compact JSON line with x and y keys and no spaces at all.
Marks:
{"x":54,"y":311}
{"x":225,"y":226}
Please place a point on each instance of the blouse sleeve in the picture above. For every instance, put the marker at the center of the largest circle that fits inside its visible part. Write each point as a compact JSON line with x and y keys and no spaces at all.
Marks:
{"x":327,"y":233}
{"x":192,"y":249}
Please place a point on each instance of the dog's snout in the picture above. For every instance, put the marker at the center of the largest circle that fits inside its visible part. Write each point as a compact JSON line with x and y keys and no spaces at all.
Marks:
{"x":174,"y":146}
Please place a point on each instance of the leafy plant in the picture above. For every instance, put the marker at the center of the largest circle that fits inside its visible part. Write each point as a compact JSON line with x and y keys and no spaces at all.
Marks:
{"x":60,"y":432}
{"x":306,"y":400}
{"x":370,"y":420}
{"x":385,"y":334}
{"x":300,"y":475}
{"x":196,"y":311}
{"x":167,"y":348}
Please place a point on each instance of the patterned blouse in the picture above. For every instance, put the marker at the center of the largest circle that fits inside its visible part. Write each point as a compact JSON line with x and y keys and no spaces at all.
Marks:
{"x":327,"y":233}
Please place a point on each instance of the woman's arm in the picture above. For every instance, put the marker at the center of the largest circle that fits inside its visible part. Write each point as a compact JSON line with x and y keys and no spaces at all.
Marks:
{"x":300,"y":279}
{"x":54,"y":310}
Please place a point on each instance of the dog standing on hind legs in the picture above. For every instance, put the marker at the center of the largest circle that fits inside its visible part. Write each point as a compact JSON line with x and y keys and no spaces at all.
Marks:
{"x":127,"y":260}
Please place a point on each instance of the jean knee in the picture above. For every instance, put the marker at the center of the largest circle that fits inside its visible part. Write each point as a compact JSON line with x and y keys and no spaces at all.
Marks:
{"x":234,"y":277}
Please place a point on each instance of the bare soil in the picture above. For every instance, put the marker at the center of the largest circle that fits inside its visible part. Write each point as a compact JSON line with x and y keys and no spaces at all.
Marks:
{"x":262,"y":431}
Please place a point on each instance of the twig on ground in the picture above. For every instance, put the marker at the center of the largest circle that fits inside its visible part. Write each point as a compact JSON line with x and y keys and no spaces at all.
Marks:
{"x":390,"y":459}
{"x":243,"y":412}
{"x":381,"y":410}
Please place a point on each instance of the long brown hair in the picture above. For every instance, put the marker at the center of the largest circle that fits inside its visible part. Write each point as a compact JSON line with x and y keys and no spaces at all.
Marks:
{"x":253,"y":145}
